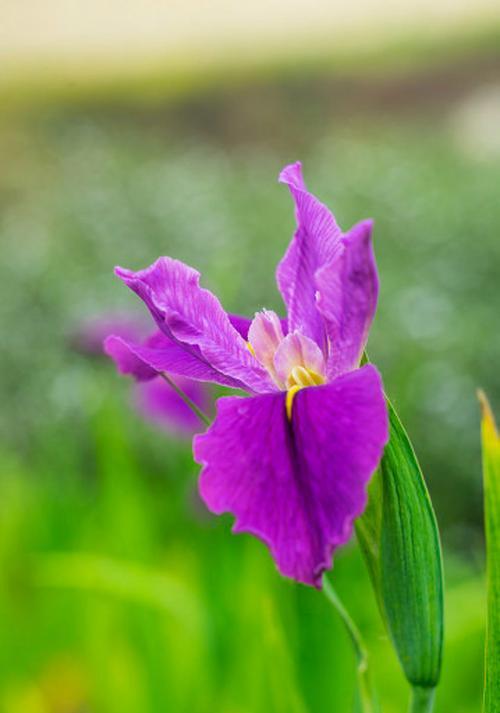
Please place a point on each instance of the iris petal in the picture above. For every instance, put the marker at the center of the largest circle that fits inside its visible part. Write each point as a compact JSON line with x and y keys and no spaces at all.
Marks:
{"x":347,"y":298}
{"x":296,"y":485}
{"x":194,"y":318}
{"x":159,"y":354}
{"x":315,"y":243}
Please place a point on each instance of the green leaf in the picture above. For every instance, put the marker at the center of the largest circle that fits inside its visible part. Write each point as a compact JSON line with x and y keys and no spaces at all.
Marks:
{"x":399,"y":538}
{"x":491,"y":475}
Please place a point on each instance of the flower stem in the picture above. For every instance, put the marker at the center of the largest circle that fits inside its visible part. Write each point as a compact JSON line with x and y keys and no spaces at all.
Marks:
{"x":366,"y":693}
{"x":189,"y":403}
{"x":422,"y":700}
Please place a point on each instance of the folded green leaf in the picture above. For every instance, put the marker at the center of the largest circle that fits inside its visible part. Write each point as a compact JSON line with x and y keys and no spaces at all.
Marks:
{"x":399,"y":539}
{"x":491,"y":475}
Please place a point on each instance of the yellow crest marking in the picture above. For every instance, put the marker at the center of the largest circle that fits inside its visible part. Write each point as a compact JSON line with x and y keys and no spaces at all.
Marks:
{"x":290,"y":395}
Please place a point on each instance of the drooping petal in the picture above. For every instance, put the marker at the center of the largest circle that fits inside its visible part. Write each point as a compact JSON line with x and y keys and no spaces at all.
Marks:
{"x":296,"y":485}
{"x":195,"y":319}
{"x":296,"y":350}
{"x":128,"y":359}
{"x":315,"y":243}
{"x":159,"y":354}
{"x":158,"y":402}
{"x":347,"y":298}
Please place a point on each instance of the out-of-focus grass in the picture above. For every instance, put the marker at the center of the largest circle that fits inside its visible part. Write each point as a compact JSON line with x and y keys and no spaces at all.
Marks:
{"x":153,"y":606}
{"x":213,"y":627}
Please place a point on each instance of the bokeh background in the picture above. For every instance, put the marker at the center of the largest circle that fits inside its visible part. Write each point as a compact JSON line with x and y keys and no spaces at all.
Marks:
{"x":132,"y":130}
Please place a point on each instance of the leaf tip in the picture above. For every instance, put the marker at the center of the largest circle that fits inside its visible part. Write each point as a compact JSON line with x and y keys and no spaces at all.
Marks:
{"x":489,"y":428}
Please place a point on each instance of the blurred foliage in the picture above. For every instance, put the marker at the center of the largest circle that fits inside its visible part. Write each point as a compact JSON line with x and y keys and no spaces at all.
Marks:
{"x":155,"y":606}
{"x":83,"y":189}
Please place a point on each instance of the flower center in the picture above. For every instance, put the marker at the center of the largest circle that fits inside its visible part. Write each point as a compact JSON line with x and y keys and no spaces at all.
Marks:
{"x":294,"y":361}
{"x":299,"y":378}
{"x":302,"y":376}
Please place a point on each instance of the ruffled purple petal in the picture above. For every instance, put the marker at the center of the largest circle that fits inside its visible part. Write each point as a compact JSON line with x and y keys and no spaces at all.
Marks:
{"x":158,"y":402}
{"x":315,"y":243}
{"x":161,"y":354}
{"x":297,"y":486}
{"x":347,"y":298}
{"x":194,"y":318}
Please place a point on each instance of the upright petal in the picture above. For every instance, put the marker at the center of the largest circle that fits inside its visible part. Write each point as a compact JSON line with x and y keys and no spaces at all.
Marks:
{"x":296,"y":485}
{"x":264,"y":337}
{"x":347,"y":298}
{"x":195,"y":319}
{"x":159,"y":354}
{"x":315,"y":243}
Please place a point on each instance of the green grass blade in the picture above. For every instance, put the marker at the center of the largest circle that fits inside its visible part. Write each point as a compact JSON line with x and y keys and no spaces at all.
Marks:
{"x":399,"y":538}
{"x":491,"y":474}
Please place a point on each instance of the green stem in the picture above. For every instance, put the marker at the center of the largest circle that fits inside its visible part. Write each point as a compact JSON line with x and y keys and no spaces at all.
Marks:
{"x":190,"y":404}
{"x":422,"y":700}
{"x":366,"y":692}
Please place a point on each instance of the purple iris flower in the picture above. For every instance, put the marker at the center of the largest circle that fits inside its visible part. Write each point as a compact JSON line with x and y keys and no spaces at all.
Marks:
{"x":89,"y":335}
{"x":152,"y":396}
{"x":292,"y":461}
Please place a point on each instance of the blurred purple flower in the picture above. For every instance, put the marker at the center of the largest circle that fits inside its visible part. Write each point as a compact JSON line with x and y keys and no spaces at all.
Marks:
{"x":90,"y":334}
{"x":158,"y":402}
{"x":292,"y":462}
{"x":153,"y":398}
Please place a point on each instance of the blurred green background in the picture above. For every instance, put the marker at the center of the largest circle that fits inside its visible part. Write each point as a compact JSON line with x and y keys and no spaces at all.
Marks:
{"x":118,"y":592}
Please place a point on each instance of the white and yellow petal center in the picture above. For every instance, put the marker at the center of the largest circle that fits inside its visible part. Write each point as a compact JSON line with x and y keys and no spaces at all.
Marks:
{"x":294,"y":362}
